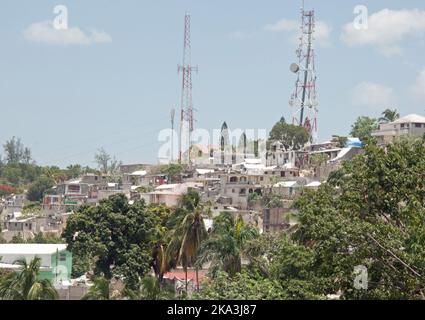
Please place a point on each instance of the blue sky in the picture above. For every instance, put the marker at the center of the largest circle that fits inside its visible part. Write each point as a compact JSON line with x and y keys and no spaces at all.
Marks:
{"x":114,"y":87}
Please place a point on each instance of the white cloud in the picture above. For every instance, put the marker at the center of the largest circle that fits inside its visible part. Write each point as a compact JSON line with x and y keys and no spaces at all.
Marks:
{"x":282,"y":25}
{"x":46,"y":33}
{"x":100,"y":37}
{"x":322,"y":32}
{"x":373,"y":95}
{"x":418,"y":88}
{"x":386,"y":29}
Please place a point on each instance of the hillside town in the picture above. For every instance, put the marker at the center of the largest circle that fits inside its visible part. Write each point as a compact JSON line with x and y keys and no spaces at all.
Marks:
{"x":281,"y":211}
{"x":259,"y":191}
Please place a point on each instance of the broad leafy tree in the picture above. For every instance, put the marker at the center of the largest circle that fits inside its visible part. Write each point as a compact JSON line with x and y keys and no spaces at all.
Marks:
{"x":363,"y":127}
{"x":37,"y":188}
{"x":371,"y":214}
{"x":291,"y":136}
{"x":16,"y":152}
{"x":115,"y":238}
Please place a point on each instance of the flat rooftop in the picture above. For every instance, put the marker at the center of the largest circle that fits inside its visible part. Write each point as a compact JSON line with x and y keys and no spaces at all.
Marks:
{"x":31,"y":248}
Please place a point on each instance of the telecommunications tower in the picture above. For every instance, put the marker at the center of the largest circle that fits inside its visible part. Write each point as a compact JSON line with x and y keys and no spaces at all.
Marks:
{"x":187,"y":110}
{"x":304,"y":99}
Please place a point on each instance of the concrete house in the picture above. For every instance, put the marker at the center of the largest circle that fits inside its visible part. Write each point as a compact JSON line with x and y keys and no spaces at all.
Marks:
{"x":412,"y":125}
{"x":169,"y":194}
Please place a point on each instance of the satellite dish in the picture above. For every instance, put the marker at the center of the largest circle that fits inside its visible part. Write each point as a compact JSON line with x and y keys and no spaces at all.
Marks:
{"x":294,"y":68}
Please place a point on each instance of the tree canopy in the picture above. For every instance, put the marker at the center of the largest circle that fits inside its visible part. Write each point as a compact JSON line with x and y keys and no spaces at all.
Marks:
{"x":371,"y":213}
{"x":16,"y":152}
{"x":363,"y":127}
{"x":115,"y":238}
{"x":291,"y":136}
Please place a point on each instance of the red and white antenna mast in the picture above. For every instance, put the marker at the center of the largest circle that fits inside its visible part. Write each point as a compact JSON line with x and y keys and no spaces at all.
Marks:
{"x":187,"y":110}
{"x":304,"y":99}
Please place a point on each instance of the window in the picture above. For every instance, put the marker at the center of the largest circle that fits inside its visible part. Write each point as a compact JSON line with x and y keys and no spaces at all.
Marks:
{"x":418,"y":125}
{"x":74,"y":188}
{"x":282,"y":174}
{"x":62,"y":257}
{"x":261,"y":178}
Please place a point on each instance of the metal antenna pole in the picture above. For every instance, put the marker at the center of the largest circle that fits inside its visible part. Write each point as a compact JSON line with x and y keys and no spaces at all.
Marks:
{"x":187,"y":110}
{"x":173,"y":114}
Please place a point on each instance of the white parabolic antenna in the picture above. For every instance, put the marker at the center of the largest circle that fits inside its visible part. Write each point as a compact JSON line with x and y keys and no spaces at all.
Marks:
{"x":294,"y":68}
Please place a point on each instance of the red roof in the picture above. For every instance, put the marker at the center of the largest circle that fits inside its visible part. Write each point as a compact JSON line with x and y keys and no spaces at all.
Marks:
{"x":181,"y":275}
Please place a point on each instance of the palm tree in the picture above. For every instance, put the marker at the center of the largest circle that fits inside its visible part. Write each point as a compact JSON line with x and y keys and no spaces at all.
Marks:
{"x":389,"y":116}
{"x":159,"y":261}
{"x":150,"y":289}
{"x":187,"y":236}
{"x":99,"y":291}
{"x":25,"y":284}
{"x":226,"y":244}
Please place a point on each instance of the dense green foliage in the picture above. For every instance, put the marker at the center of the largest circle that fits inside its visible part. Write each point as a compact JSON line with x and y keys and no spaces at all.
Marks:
{"x":375,"y":218}
{"x":25,"y":285}
{"x":371,"y":213}
{"x":150,"y":289}
{"x":240,"y":287}
{"x":225,"y":245}
{"x":100,"y":290}
{"x":37,"y":188}
{"x":389,"y":116}
{"x":187,"y":235}
{"x":363,"y":127}
{"x":115,"y":238}
{"x":292,"y":136}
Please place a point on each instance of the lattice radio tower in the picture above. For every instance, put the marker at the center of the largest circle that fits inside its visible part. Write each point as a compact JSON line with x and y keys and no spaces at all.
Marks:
{"x":187,"y":110}
{"x":304,"y":99}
